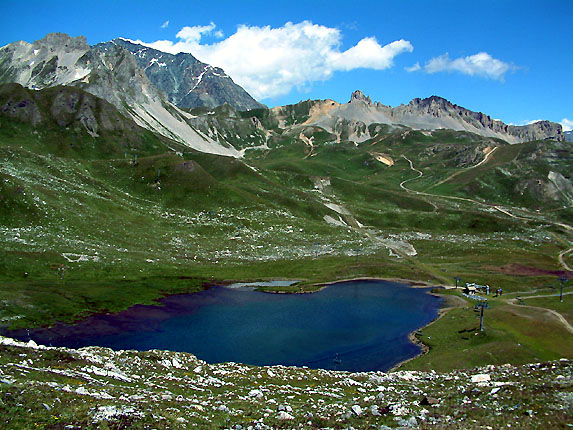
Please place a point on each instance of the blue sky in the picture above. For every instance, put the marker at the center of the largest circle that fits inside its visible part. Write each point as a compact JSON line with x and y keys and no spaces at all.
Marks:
{"x":512,"y":60}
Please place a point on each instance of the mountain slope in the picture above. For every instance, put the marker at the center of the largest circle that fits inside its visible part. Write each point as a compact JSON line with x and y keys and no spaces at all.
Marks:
{"x":111,"y":73}
{"x":187,"y":81}
{"x":67,"y":121}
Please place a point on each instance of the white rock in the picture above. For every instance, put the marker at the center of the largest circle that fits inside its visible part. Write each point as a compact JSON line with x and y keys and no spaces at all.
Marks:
{"x":198,"y":369}
{"x":256,"y":393}
{"x":357,"y":410}
{"x":481,"y":377}
{"x":284,"y":416}
{"x":286,"y":408}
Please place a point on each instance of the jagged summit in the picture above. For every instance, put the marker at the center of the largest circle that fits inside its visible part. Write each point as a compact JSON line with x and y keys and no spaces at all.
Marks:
{"x":63,"y":39}
{"x":360,"y":96}
{"x":436,"y":112}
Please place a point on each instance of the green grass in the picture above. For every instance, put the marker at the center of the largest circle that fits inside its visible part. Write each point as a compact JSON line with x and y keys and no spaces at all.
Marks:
{"x":512,"y":334}
{"x":565,"y":308}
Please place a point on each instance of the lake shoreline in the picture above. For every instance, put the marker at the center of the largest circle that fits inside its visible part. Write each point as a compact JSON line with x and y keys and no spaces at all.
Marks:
{"x":442,"y":311}
{"x":412,"y":338}
{"x":410,"y":284}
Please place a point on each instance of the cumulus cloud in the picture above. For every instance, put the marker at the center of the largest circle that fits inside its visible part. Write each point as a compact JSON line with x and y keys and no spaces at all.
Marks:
{"x":526,"y":122}
{"x":165,"y":24}
{"x":567,"y":124}
{"x":269,"y":62}
{"x":481,"y":64}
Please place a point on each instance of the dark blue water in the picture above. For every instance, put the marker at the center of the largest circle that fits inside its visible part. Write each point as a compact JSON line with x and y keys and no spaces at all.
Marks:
{"x":356,"y":326}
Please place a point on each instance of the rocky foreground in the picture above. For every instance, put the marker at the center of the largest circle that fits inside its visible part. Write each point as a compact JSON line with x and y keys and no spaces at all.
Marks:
{"x":45,"y":387}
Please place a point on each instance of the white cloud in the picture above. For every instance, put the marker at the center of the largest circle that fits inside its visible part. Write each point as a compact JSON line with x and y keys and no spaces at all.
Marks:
{"x":526,"y":122}
{"x":165,"y":24}
{"x":567,"y":124}
{"x":413,"y":68}
{"x":269,"y":62}
{"x":481,"y":64}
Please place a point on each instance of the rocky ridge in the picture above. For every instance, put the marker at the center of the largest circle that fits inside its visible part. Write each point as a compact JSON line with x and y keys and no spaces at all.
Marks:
{"x":427,"y":114}
{"x":161,"y":389}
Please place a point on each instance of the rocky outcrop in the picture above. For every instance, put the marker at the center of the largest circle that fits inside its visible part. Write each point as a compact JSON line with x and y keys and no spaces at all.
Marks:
{"x":63,"y":107}
{"x":540,"y":130}
{"x":360,"y":96}
{"x":98,"y":386}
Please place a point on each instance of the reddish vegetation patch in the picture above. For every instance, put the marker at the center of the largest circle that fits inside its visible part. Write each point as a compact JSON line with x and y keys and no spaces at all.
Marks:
{"x":519,"y":270}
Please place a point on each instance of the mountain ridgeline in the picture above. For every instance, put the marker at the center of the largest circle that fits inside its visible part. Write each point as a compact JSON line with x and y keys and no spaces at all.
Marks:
{"x":152,"y":87}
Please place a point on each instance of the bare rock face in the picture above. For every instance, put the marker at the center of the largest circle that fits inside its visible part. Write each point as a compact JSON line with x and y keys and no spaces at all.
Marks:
{"x":539,"y":130}
{"x":436,"y":112}
{"x":360,"y":96}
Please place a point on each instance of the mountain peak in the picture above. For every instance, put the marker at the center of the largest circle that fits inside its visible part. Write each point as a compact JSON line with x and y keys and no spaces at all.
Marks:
{"x":187,"y":81}
{"x":64,"y":40}
{"x":360,"y":96}
{"x":431,"y":101}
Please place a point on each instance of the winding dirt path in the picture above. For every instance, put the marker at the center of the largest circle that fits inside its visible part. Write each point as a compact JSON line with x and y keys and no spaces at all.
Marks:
{"x":453,"y":175}
{"x":555,"y":314}
{"x":562,"y":262}
{"x":502,"y":210}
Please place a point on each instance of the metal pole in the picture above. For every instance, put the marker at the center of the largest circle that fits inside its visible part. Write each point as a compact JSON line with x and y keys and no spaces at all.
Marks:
{"x":562,"y":280}
{"x":481,"y":319}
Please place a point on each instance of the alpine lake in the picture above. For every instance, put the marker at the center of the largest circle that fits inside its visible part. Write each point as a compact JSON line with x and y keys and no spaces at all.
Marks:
{"x":353,"y":325}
